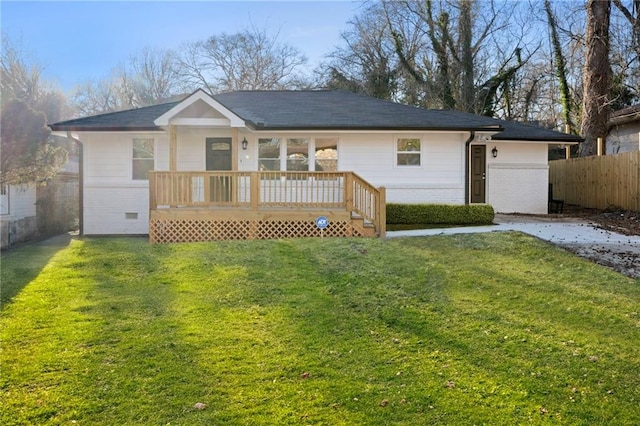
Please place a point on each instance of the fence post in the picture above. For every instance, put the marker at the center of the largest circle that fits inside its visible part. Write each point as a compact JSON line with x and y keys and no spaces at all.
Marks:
{"x":600,"y":147}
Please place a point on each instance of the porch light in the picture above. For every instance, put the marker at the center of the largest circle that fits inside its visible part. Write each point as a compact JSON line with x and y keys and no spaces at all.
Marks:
{"x":245,"y":144}
{"x":494,"y":152}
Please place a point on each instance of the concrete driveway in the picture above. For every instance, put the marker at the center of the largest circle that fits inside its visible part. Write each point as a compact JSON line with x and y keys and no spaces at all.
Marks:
{"x":620,"y":252}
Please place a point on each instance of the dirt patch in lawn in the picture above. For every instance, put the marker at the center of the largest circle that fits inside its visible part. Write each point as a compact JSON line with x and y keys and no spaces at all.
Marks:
{"x":624,"y":258}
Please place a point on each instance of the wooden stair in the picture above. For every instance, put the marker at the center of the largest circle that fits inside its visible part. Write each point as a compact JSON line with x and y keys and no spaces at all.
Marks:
{"x":363,"y":227}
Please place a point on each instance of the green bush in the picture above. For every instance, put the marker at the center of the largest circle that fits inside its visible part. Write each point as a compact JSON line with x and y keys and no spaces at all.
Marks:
{"x":427,"y":214}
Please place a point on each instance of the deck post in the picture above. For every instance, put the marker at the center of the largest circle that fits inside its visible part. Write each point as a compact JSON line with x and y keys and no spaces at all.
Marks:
{"x":381,"y":210}
{"x":254,"y":182}
{"x":153,"y":204}
{"x":235,"y":145}
{"x":173,"y":155}
{"x":173,"y":148}
{"x":348,"y":191}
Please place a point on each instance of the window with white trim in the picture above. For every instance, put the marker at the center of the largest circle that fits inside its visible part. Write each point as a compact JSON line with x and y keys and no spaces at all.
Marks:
{"x":142,"y":159}
{"x":298,"y":155}
{"x":408,"y":152}
{"x":4,"y":198}
{"x":326,"y":155}
{"x":269,"y":154}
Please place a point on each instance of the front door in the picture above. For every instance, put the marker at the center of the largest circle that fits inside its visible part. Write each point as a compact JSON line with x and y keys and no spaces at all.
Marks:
{"x":219,"y":159}
{"x":478,"y":173}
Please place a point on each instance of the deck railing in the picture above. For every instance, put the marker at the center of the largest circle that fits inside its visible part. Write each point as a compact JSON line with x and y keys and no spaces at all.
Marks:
{"x":268,"y":189}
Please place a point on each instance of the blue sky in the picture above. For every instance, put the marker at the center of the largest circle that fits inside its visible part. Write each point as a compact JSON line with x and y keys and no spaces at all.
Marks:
{"x":82,"y":41}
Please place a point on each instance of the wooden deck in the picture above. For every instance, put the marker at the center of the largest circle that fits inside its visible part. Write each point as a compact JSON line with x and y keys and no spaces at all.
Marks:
{"x":203,"y":206}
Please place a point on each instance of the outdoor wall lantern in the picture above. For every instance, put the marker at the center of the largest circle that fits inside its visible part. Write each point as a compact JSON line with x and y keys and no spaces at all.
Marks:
{"x":245,"y":144}
{"x":494,"y":152}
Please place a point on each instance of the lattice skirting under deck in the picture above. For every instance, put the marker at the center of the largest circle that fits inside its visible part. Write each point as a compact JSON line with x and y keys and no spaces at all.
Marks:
{"x":192,"y":230}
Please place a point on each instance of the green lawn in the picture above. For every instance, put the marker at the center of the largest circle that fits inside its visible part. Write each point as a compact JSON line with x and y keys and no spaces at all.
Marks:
{"x":495,"y":328}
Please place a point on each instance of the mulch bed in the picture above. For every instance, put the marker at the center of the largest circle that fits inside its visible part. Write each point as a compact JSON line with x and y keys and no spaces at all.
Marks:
{"x":625,"y":222}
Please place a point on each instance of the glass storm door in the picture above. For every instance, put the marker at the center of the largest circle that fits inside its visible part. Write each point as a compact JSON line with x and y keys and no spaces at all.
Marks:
{"x":219,"y":159}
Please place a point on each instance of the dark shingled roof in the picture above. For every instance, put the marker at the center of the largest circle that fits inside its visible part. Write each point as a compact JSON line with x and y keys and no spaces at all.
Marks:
{"x":322,"y":110}
{"x":338,"y":110}
{"x":527,"y":132}
{"x":131,"y":119}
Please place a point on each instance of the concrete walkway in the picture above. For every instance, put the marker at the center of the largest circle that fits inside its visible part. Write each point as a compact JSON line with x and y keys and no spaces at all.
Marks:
{"x":621,"y":252}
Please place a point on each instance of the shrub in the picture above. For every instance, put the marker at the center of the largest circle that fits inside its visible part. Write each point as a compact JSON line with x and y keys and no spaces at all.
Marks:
{"x":468,"y":214}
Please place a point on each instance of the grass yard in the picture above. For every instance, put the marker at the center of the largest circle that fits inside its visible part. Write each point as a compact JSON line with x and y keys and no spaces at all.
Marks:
{"x":495,"y":328}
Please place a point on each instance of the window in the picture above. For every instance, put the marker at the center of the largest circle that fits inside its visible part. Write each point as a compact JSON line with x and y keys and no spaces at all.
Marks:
{"x":269,"y":154}
{"x":298,"y":155}
{"x":142,"y":159}
{"x":4,"y":199}
{"x":326,"y":155}
{"x":408,"y":152}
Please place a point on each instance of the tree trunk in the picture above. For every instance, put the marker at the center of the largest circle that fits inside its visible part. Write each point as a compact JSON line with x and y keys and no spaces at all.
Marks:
{"x":596,"y":76}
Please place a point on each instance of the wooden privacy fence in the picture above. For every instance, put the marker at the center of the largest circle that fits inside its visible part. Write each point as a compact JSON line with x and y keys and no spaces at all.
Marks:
{"x":598,"y":181}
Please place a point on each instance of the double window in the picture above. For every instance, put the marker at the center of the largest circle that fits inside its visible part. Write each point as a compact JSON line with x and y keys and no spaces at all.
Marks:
{"x":142,"y":158}
{"x":408,"y":152}
{"x":298,"y":154}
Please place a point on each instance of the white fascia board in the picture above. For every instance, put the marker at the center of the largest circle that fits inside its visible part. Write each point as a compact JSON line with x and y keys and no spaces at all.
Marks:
{"x":516,"y":142}
{"x":166,"y":118}
{"x":206,"y":122}
{"x":356,"y":132}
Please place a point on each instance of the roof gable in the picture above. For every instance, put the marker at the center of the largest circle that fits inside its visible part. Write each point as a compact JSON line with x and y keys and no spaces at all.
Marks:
{"x":192,"y":111}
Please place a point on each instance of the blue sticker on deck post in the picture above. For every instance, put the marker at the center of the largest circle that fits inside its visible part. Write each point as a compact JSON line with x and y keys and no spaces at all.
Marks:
{"x":322,"y":222}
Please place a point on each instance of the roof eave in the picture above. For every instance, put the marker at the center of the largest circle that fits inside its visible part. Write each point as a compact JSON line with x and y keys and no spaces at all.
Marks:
{"x":57,"y":128}
{"x":373,"y":128}
{"x":573,"y":141}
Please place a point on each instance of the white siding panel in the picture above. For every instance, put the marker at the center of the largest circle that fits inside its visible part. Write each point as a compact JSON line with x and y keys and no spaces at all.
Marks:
{"x":162,"y":152}
{"x":518,"y":178}
{"x":105,"y":207}
{"x":192,"y":146}
{"x":425,"y":195}
{"x":107,"y":157}
{"x":518,"y":153}
{"x":374,"y":158}
{"x":518,"y":188}
{"x":22,"y":201}
{"x":439,"y":178}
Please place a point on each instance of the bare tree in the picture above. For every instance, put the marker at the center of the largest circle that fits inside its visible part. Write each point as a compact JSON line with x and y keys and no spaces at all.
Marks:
{"x":560,"y":66}
{"x":366,"y":62}
{"x":99,"y":96}
{"x":466,"y":59}
{"x":596,"y":75}
{"x":251,"y":59}
{"x":148,"y":77}
{"x":151,"y":75}
{"x":28,"y":153}
{"x":625,"y":53}
{"x":633,"y":16}
{"x":20,"y":80}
